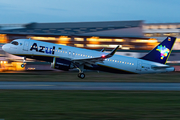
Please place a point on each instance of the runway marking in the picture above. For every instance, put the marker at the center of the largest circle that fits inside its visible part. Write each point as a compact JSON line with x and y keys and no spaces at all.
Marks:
{"x":28,"y":85}
{"x":89,"y":86}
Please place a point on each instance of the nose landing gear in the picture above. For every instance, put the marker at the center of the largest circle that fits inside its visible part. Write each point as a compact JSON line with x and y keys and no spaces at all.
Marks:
{"x":22,"y":65}
{"x":24,"y":60}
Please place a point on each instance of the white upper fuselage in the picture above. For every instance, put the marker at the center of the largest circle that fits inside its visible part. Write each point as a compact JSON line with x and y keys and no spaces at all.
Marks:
{"x":117,"y":62}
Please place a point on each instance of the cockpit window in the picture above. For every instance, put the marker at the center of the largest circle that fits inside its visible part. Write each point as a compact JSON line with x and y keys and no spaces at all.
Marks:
{"x":14,"y":42}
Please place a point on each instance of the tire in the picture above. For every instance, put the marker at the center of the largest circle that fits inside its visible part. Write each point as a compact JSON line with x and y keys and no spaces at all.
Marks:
{"x":81,"y":75}
{"x":78,"y":75}
{"x":22,"y":65}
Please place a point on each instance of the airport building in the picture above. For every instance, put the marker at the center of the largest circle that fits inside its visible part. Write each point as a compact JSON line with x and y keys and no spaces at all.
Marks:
{"x":161,"y":30}
{"x":134,"y":37}
{"x":90,"y":35}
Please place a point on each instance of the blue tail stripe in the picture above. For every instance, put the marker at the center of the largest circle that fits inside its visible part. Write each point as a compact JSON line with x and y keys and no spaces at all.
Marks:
{"x":161,"y":52}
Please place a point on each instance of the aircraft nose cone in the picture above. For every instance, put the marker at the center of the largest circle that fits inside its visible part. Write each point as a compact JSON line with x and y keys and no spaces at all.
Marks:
{"x":4,"y":47}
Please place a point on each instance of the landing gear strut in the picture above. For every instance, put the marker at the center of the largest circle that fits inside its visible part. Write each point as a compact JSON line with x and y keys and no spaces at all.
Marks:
{"x":24,"y":60}
{"x":81,"y":73}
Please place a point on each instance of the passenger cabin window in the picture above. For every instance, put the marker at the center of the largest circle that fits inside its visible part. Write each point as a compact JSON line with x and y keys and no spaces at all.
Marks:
{"x":14,"y":42}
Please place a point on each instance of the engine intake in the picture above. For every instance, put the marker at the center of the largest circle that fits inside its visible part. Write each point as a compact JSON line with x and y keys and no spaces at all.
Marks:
{"x":61,"y":64}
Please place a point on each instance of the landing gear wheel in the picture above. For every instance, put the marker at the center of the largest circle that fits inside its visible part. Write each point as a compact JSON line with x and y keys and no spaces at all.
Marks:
{"x":81,"y":75}
{"x":22,"y":65}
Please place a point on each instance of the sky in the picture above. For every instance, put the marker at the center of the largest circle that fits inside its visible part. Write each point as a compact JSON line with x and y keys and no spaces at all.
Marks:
{"x":46,"y":11}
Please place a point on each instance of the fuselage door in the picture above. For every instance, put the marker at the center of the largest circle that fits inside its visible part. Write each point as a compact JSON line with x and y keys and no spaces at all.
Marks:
{"x":139,"y":65}
{"x":26,"y":45}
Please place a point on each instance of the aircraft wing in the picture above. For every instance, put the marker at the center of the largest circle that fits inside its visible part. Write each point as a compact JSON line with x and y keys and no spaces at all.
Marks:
{"x":95,"y":59}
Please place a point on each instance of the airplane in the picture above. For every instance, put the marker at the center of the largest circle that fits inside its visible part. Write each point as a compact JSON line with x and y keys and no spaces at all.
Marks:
{"x":66,"y":57}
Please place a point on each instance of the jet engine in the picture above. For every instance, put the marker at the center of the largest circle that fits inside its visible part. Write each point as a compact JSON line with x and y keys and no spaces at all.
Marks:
{"x":61,"y":64}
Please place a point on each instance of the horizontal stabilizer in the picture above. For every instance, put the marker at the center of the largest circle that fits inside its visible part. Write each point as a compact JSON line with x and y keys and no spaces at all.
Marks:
{"x":160,"y":67}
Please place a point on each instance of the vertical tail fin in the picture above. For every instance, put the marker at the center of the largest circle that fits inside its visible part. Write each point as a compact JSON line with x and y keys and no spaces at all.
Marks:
{"x":161,"y":52}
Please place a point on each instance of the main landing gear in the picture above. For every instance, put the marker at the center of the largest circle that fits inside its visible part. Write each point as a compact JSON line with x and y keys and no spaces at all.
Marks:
{"x":24,"y":60}
{"x":81,"y":73}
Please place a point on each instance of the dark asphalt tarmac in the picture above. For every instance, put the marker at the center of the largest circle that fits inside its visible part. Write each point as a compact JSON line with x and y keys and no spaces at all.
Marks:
{"x":88,"y":86}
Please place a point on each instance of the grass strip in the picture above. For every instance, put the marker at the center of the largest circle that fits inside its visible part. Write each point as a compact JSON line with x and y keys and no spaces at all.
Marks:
{"x":89,"y":105}
{"x":90,"y":76}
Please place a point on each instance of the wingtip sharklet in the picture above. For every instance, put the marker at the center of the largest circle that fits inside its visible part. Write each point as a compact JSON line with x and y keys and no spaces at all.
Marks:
{"x":103,"y":50}
{"x":112,"y":52}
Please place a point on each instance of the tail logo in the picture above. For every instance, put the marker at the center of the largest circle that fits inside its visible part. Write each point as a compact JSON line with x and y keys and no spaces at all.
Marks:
{"x":163,"y":50}
{"x":169,"y":39}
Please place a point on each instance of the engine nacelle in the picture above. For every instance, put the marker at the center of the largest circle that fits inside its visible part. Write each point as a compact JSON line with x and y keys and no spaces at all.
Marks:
{"x":61,"y":64}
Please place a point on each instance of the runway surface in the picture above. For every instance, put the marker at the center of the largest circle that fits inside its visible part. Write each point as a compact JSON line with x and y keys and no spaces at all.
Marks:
{"x":88,"y":86}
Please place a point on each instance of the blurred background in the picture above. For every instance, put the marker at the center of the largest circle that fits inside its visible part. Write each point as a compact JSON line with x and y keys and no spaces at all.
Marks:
{"x":136,"y":26}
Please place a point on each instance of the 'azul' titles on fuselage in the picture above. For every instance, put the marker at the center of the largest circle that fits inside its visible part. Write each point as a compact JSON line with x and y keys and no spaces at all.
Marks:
{"x":42,"y":49}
